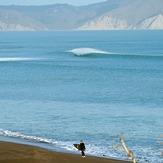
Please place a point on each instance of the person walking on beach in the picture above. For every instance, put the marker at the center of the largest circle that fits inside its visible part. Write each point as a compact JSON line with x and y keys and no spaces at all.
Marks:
{"x":82,"y":146}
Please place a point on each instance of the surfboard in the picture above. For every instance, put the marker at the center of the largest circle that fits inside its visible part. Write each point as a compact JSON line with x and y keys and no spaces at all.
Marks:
{"x":77,"y":146}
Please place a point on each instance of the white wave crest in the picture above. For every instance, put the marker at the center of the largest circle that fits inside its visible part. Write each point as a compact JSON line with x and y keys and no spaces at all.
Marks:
{"x":86,"y":51}
{"x":63,"y":145}
{"x":16,"y":59}
{"x":25,"y":137}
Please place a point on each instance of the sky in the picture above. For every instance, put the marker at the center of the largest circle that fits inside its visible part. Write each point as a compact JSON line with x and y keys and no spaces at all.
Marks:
{"x":47,"y":2}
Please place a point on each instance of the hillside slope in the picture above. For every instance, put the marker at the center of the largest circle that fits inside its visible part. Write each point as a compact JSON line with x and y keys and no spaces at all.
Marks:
{"x":108,"y":15}
{"x":131,"y":16}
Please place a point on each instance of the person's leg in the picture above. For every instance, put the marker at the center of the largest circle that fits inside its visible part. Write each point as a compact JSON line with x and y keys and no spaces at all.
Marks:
{"x":83,"y":154}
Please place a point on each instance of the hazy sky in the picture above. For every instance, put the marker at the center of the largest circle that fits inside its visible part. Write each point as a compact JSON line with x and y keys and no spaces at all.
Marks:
{"x":45,"y":2}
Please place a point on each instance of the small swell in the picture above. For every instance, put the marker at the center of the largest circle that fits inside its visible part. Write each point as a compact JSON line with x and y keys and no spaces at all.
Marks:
{"x":15,"y":59}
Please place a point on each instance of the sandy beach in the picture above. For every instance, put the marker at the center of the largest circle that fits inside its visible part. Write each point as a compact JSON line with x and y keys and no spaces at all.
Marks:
{"x":19,"y":153}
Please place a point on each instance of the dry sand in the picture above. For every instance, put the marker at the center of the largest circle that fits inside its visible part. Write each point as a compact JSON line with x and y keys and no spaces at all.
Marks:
{"x":18,"y":153}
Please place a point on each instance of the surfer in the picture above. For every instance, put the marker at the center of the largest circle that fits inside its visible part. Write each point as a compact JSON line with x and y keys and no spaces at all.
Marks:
{"x":82,"y":146}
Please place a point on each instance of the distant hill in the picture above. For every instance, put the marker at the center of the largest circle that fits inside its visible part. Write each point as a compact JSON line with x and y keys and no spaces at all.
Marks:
{"x":109,"y":15}
{"x":12,"y":20}
{"x":137,"y":14}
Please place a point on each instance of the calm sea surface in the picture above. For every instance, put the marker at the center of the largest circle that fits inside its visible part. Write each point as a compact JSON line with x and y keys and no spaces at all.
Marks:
{"x":57,"y":88}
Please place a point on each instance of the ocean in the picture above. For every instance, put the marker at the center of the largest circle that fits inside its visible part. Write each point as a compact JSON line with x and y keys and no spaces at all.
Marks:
{"x":57,"y":88}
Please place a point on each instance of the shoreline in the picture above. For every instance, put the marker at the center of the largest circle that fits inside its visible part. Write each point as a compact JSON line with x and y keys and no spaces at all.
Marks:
{"x":11,"y":152}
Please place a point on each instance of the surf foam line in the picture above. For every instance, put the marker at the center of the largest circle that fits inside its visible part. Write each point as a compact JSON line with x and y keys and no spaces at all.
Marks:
{"x":25,"y":137}
{"x":87,"y":51}
{"x":16,"y":59}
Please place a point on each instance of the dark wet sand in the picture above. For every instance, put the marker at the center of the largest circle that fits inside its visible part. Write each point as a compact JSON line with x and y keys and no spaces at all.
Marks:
{"x":19,"y":153}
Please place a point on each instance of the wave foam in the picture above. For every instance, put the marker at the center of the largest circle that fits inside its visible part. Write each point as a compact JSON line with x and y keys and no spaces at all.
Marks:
{"x":142,"y":154}
{"x":15,"y":59}
{"x":35,"y":139}
{"x":90,"y":51}
{"x":87,"y":51}
{"x":25,"y":137}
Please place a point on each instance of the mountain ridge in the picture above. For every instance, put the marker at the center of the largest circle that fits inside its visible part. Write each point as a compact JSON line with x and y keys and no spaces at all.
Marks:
{"x":108,"y":15}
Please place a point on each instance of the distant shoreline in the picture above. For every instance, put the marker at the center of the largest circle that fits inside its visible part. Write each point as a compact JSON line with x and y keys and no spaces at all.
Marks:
{"x":126,"y":30}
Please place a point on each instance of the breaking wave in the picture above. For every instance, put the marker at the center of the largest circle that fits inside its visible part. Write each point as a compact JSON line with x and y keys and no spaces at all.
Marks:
{"x":27,"y":138}
{"x":87,"y":51}
{"x":93,"y":52}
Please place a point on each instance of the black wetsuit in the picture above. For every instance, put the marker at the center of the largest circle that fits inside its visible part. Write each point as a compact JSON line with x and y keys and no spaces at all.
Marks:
{"x":82,"y":148}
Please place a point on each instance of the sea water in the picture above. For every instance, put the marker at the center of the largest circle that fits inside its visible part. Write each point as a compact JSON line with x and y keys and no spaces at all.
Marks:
{"x":57,"y":88}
